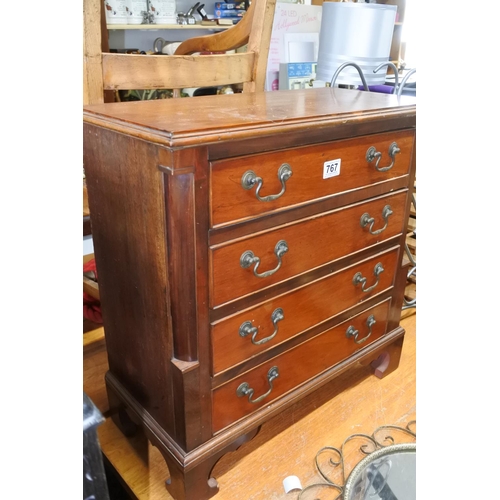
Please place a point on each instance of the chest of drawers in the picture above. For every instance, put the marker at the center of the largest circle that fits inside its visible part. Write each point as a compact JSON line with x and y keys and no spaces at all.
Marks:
{"x":249,"y":250}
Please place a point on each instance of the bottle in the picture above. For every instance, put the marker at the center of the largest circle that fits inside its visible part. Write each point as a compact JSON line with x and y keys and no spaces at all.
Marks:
{"x":116,"y":11}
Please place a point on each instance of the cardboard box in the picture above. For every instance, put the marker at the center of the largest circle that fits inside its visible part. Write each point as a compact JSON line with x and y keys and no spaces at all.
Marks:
{"x":219,"y":14}
{"x":288,"y":18}
{"x":297,"y":75}
{"x":229,"y":6}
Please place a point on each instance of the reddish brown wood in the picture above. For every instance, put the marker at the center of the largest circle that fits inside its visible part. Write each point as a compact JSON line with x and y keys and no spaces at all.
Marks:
{"x":129,"y":242}
{"x":87,"y":230}
{"x":246,"y":365}
{"x":341,"y":234}
{"x":296,"y":366}
{"x":248,"y":227}
{"x":231,"y":202}
{"x":300,"y":280}
{"x":173,"y":364}
{"x":302,"y":307}
{"x":180,"y":204}
{"x":386,"y":359}
{"x":308,"y":117}
{"x":196,"y":482}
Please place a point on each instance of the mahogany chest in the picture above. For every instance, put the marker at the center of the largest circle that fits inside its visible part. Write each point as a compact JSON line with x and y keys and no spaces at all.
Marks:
{"x":249,"y":249}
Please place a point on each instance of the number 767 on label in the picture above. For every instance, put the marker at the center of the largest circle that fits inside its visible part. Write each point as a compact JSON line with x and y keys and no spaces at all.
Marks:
{"x":331,"y":168}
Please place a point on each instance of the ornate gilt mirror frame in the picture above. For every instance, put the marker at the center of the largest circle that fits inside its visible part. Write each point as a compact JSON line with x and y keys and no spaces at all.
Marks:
{"x":342,"y":468}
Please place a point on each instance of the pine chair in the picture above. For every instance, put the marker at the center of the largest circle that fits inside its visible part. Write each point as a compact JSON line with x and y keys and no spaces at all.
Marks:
{"x":105,"y":71}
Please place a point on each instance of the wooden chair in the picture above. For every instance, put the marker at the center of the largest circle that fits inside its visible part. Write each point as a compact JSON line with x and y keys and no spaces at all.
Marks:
{"x":104,"y":71}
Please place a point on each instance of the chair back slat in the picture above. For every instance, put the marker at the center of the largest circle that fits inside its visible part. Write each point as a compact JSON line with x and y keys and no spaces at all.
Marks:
{"x":134,"y":71}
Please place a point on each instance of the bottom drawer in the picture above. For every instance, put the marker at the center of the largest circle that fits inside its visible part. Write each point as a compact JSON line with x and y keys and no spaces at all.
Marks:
{"x":248,"y":392}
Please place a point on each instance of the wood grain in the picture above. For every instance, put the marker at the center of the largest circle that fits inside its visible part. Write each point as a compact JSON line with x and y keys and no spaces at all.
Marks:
{"x":133,"y":290}
{"x":91,"y":287}
{"x":302,"y":308}
{"x":92,"y":72}
{"x":286,"y":445}
{"x":92,"y":336}
{"x":259,"y":42}
{"x":233,"y":38}
{"x":150,"y":205}
{"x":159,"y":72}
{"x":230,"y":201}
{"x":341,"y":234}
{"x":295,"y":366}
{"x":227,"y":119}
{"x":104,"y":71}
{"x":85,"y":200}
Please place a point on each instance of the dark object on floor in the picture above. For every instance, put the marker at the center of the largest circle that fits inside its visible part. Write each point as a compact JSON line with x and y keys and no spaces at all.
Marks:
{"x":118,"y":490}
{"x":94,"y":478}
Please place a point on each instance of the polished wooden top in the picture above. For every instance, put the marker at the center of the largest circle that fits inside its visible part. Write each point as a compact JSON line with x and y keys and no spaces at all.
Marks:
{"x":182,"y":122}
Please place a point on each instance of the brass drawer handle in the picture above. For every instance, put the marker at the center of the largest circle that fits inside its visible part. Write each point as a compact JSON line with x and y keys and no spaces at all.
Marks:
{"x":248,"y":258}
{"x":366,"y":219}
{"x":352,"y":332}
{"x":247,"y":329}
{"x":372,"y":153}
{"x":250,"y":179}
{"x":245,"y":390}
{"x":360,"y":279}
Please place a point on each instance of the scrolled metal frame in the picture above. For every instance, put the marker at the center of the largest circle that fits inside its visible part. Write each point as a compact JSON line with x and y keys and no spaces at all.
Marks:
{"x":378,"y":443}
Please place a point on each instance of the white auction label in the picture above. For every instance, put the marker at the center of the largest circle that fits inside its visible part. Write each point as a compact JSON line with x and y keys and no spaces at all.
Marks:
{"x":331,"y":168}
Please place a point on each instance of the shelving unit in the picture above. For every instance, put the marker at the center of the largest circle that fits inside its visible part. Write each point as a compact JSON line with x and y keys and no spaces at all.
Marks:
{"x":396,"y":53}
{"x":142,"y":36}
{"x":153,"y":27}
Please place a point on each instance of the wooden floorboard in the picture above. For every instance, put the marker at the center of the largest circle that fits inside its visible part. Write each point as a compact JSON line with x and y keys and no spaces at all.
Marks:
{"x":356,"y":402}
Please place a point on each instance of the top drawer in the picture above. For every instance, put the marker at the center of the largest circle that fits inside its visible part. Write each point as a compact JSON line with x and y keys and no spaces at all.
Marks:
{"x":316,"y":172}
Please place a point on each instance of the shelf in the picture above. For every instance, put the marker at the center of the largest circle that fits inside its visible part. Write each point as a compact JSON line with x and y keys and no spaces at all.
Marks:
{"x":164,"y":27}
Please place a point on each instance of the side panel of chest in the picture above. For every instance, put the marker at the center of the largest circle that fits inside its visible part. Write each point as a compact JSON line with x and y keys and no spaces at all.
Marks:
{"x":150,"y":246}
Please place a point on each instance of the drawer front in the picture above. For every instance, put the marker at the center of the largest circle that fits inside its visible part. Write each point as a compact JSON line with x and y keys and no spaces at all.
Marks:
{"x":310,"y":243}
{"x":233,"y":198}
{"x":246,"y":334}
{"x":233,"y":400}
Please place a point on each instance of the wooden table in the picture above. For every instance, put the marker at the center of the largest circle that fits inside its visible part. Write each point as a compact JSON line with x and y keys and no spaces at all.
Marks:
{"x":286,"y":445}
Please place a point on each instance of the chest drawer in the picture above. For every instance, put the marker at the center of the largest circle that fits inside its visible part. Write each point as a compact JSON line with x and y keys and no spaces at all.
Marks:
{"x":253,"y":263}
{"x":255,"y":330}
{"x":291,"y":177}
{"x":260,"y":386}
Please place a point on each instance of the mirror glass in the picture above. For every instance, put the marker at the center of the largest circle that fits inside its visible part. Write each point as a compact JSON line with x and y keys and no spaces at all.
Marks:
{"x":386,"y":474}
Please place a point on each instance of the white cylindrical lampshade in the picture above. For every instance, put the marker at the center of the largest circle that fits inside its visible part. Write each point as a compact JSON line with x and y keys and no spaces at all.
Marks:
{"x":355,"y":32}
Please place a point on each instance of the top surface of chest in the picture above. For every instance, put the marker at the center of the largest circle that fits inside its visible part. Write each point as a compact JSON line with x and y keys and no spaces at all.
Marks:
{"x":209,"y":119}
